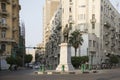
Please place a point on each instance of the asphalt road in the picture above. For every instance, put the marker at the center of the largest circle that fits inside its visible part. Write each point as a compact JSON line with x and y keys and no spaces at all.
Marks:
{"x":113,"y":74}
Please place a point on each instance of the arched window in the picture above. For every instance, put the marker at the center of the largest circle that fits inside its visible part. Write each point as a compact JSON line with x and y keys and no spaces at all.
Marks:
{"x":3,"y":21}
{"x":3,"y":47}
{"x":3,"y":7}
{"x":3,"y":34}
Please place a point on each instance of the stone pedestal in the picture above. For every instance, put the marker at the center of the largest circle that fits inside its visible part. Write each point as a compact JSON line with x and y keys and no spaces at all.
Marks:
{"x":65,"y":58}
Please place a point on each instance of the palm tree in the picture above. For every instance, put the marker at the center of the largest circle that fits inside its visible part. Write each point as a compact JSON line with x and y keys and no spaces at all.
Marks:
{"x":75,"y":39}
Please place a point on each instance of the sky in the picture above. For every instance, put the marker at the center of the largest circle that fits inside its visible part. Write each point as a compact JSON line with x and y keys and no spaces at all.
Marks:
{"x":31,"y":14}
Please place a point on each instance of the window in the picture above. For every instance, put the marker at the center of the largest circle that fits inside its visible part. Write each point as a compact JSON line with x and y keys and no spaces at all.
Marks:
{"x":3,"y":34}
{"x":82,"y":27}
{"x":63,"y":10}
{"x":70,"y":9}
{"x":3,"y":21}
{"x":90,"y":42}
{"x":81,"y":17}
{"x":3,"y":6}
{"x":70,"y":0}
{"x":94,"y":42}
{"x":70,"y":17}
{"x":101,"y":8}
{"x":82,"y":6}
{"x":3,"y":47}
{"x":93,"y":20}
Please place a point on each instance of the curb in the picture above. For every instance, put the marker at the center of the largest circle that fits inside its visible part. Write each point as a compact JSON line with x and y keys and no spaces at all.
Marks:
{"x":71,"y":72}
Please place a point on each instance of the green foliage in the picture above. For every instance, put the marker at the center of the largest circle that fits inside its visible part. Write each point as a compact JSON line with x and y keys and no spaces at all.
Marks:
{"x":11,"y":60}
{"x":75,"y":39}
{"x":114,"y":59}
{"x":77,"y":61}
{"x":85,"y":59}
{"x":18,"y":61}
{"x":28,"y":58}
{"x":14,"y":60}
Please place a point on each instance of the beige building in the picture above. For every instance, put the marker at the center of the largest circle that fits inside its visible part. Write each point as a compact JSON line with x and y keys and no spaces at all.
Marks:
{"x":99,"y":23}
{"x":98,"y":20}
{"x":49,"y":10}
{"x":9,"y":26}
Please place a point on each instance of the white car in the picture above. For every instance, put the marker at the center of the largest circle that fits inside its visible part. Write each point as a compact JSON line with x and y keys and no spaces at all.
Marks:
{"x":36,"y":66}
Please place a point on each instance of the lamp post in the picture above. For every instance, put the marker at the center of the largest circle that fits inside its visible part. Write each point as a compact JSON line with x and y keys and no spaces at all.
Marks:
{"x":93,"y":21}
{"x":1,"y":58}
{"x":0,"y":61}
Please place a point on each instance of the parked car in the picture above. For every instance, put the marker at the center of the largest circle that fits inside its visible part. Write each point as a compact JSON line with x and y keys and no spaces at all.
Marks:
{"x":30,"y":65}
{"x":36,"y":66}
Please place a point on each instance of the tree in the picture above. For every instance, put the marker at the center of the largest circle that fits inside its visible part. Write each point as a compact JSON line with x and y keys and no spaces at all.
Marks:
{"x":28,"y":58}
{"x":75,"y":39}
{"x":77,"y":61}
{"x":11,"y":61}
{"x":113,"y":59}
{"x":19,"y":61}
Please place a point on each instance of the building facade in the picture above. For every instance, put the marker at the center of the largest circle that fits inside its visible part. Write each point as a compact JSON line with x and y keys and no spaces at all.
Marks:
{"x":9,"y":27}
{"x":98,"y":21}
{"x":51,"y":32}
{"x":49,"y":10}
{"x":97,"y":18}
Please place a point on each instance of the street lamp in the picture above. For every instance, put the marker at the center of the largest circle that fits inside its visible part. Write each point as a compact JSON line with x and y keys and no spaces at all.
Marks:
{"x":1,"y":51}
{"x":93,"y":21}
{"x":0,"y":61}
{"x":70,"y":21}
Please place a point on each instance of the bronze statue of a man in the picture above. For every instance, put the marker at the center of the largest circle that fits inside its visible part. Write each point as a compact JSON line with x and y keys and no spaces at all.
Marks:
{"x":66,"y":33}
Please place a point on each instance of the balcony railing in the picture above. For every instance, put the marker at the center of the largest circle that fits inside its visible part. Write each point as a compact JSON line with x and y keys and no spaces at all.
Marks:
{"x":7,"y":1}
{"x":14,"y":17}
{"x":4,"y":26}
{"x":106,"y":24}
{"x":113,"y":45}
{"x":107,"y":33}
{"x":113,"y":37}
{"x":107,"y":42}
{"x":3,"y":12}
{"x":14,"y":4}
{"x":112,"y":29}
{"x":92,"y":49}
{"x":7,"y":40}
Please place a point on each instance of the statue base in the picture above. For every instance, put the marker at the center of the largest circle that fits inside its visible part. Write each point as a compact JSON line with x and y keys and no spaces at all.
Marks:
{"x":65,"y":58}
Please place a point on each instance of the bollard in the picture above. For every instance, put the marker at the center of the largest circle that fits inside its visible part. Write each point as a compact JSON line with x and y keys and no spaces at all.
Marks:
{"x":63,"y":68}
{"x":50,"y":67}
{"x":43,"y":68}
{"x":40,"y":69}
{"x":82,"y":68}
{"x":89,"y":67}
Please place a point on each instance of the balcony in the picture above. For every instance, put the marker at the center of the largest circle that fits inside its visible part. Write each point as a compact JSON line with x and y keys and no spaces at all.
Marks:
{"x":112,"y":29}
{"x":107,"y":33}
{"x":7,"y":1}
{"x":113,"y":37}
{"x":4,"y":26}
{"x":92,"y":49}
{"x":14,"y":4}
{"x":14,"y":17}
{"x":7,"y":40}
{"x":19,"y":7}
{"x":119,"y":47}
{"x":107,"y":25}
{"x":106,"y":42}
{"x":3,"y":12}
{"x":113,"y":45}
{"x":15,"y":29}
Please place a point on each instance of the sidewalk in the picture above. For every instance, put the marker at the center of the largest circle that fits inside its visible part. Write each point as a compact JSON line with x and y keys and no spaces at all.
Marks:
{"x":76,"y":71}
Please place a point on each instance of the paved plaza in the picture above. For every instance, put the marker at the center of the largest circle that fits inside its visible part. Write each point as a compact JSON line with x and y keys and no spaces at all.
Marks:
{"x":112,"y":74}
